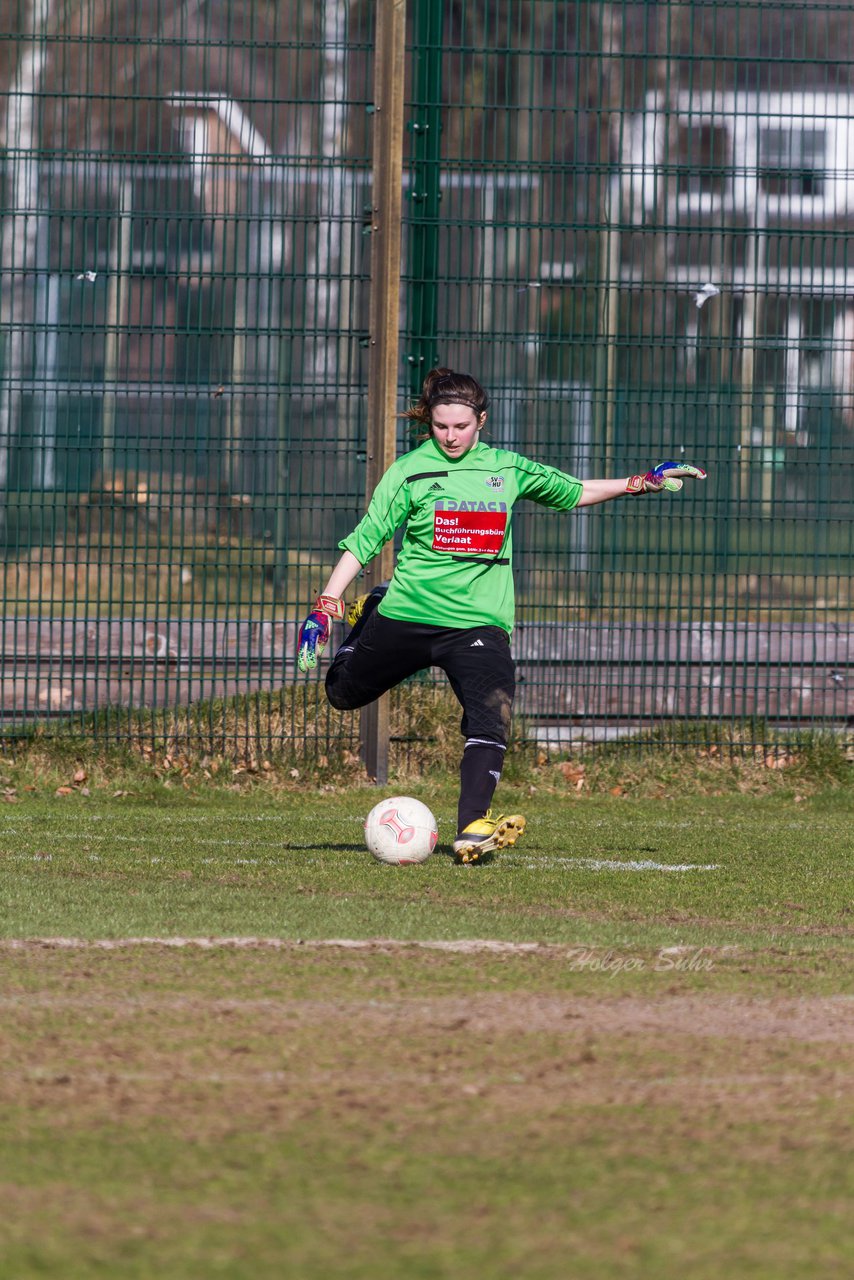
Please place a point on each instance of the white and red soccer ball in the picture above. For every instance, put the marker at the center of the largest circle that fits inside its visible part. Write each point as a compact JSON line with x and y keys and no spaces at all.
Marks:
{"x":401,"y":831}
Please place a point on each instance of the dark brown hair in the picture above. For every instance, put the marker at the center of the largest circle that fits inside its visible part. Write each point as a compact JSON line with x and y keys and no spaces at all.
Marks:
{"x":443,"y":386}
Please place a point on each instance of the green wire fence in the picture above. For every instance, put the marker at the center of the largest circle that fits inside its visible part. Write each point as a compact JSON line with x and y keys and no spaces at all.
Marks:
{"x":631,"y":221}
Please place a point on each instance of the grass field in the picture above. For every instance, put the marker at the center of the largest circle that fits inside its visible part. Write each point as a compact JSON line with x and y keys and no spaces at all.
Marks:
{"x":233,"y":1045}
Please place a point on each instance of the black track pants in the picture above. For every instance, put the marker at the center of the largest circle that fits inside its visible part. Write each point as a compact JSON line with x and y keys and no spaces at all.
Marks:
{"x":480,"y":670}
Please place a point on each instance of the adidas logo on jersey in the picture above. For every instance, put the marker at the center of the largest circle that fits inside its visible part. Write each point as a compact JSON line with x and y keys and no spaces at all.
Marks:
{"x":435,"y":488}
{"x":477,"y":644}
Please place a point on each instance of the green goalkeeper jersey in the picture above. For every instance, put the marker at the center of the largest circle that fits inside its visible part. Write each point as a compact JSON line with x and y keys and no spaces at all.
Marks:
{"x":454,"y":568}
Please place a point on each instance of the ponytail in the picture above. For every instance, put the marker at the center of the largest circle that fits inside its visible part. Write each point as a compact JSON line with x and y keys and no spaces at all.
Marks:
{"x":443,"y":386}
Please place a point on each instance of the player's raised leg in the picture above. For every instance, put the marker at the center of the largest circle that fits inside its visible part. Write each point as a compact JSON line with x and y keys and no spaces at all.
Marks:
{"x":384,"y":652}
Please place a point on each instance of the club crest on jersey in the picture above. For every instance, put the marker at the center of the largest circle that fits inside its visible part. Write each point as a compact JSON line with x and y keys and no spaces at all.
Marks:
{"x":495,"y":482}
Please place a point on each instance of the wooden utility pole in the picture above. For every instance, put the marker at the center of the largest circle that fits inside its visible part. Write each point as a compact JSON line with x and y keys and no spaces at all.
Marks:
{"x":425,"y":128}
{"x":389,"y":67}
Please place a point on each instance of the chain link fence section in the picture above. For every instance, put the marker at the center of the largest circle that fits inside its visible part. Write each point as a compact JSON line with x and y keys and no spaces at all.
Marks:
{"x":630,"y":221}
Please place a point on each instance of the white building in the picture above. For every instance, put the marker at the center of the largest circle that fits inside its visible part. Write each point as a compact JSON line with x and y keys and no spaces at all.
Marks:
{"x":755,"y":194}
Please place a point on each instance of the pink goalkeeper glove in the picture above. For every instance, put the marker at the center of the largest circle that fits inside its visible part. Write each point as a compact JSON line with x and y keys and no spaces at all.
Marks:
{"x":314,"y":632}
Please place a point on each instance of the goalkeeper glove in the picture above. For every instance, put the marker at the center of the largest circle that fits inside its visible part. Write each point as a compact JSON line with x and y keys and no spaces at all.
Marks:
{"x":664,"y":476}
{"x":314,"y":632}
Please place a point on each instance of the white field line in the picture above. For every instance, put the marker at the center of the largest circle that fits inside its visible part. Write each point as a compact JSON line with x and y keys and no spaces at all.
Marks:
{"x":608,"y":864}
{"x":465,"y":945}
{"x":107,"y":837}
{"x":198,"y":820}
{"x":519,"y":859}
{"x":272,"y":944}
{"x":249,"y":1077}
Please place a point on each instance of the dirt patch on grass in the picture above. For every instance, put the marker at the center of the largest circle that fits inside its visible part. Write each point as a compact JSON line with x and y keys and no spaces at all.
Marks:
{"x":244,"y":1086}
{"x":212,"y":1066}
{"x":827,"y":1019}
{"x":731,"y":1017}
{"x":142,"y":1033}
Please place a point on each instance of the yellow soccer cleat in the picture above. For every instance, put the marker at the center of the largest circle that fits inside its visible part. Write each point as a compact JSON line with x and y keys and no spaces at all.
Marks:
{"x":357,"y":608}
{"x":364,"y":605}
{"x":487,"y":834}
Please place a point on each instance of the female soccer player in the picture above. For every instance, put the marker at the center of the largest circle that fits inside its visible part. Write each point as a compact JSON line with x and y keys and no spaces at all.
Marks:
{"x":450,"y":600}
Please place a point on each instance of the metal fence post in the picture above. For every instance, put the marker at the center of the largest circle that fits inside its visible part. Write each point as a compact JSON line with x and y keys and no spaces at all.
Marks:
{"x":389,"y":63}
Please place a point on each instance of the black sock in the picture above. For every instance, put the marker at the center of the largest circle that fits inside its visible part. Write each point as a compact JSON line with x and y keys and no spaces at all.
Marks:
{"x":480,"y":770}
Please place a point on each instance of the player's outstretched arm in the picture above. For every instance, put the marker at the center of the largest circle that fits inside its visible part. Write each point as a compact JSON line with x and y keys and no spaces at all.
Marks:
{"x":329,"y":606}
{"x":667,"y":476}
